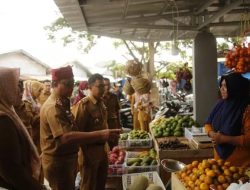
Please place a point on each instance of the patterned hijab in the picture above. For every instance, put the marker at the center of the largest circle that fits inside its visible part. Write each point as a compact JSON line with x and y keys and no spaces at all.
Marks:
{"x":226,"y":117}
{"x":82,"y":91}
{"x":8,"y":97}
{"x":31,"y":92}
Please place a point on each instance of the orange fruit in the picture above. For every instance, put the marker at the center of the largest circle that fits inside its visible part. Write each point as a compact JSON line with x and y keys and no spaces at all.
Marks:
{"x":225,"y":185}
{"x":227,"y":172}
{"x":236,"y":176}
{"x":202,"y":178}
{"x":211,"y":173}
{"x":221,"y":179}
{"x":195,"y":163}
{"x":208,"y":180}
{"x":204,"y":186}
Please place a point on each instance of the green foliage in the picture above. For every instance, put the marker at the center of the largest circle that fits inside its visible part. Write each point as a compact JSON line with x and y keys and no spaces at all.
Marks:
{"x":60,"y":30}
{"x":117,"y":69}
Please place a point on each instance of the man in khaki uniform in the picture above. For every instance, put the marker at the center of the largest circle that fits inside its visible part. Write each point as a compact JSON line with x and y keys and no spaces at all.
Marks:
{"x":45,"y":93}
{"x":90,"y":115}
{"x":112,"y":103}
{"x":59,"y":138}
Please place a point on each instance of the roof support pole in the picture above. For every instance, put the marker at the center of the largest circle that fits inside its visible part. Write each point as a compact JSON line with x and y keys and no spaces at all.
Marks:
{"x":205,"y":75}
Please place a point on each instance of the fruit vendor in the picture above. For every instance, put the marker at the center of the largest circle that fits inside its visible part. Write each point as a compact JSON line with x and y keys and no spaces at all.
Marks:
{"x":229,"y":122}
{"x":112,"y":103}
{"x":59,"y":136}
{"x":91,"y":115}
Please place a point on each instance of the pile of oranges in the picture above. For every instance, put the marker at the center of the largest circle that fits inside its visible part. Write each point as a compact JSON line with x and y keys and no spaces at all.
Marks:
{"x":210,"y":174}
{"x":239,"y":59}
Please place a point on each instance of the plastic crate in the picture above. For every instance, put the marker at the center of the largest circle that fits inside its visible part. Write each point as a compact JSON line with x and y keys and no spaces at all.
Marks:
{"x":123,"y":143}
{"x":153,"y":177}
{"x":139,"y":169}
{"x":140,"y":143}
{"x":116,"y":170}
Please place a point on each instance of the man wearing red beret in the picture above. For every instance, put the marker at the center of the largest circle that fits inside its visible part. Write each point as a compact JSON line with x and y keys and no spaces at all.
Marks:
{"x":60,"y":138}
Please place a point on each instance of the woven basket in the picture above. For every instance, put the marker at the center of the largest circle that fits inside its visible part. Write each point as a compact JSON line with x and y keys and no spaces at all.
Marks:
{"x":128,"y":89}
{"x":133,"y":68}
{"x":141,"y":85}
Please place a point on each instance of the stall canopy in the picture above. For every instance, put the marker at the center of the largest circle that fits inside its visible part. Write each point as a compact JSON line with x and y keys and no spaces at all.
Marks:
{"x":155,"y":20}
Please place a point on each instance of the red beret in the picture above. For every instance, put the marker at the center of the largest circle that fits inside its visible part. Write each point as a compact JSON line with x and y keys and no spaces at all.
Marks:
{"x":62,"y":73}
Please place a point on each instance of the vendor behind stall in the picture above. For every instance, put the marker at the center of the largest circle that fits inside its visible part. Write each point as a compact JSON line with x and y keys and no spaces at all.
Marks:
{"x":229,"y":122}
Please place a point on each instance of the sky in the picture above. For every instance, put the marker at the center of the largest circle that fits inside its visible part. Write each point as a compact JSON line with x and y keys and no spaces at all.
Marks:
{"x":22,"y":27}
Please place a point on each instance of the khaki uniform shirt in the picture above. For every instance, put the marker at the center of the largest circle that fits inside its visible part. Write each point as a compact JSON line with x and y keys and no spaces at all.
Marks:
{"x":112,"y":104}
{"x":43,"y":97}
{"x":24,"y":111}
{"x":55,"y":120}
{"x":91,"y":115}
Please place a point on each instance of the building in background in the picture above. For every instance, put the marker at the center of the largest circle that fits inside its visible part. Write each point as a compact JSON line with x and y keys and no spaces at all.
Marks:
{"x":30,"y":67}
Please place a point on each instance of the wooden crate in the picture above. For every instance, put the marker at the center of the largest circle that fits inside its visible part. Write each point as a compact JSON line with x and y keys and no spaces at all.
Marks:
{"x":182,"y":153}
{"x":176,"y":184}
{"x":185,"y":156}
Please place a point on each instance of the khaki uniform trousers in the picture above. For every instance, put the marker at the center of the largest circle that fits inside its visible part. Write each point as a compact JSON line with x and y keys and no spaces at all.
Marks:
{"x":93,"y":175}
{"x":60,"y":172}
{"x":113,"y":124}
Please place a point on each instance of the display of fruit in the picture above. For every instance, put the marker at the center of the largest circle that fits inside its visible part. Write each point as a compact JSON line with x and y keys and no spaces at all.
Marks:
{"x":144,"y":158}
{"x":239,"y":58}
{"x":138,"y":134}
{"x":142,"y":183}
{"x":210,"y":174}
{"x":172,"y":144}
{"x":172,"y":126}
{"x":124,"y":136}
{"x":116,"y":156}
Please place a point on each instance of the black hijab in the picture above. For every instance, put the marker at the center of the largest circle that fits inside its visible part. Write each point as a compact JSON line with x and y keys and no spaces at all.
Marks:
{"x":227,"y":114}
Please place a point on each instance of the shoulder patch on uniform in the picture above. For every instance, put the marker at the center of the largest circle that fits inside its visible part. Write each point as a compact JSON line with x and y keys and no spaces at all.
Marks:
{"x":59,"y":102}
{"x":84,"y":100}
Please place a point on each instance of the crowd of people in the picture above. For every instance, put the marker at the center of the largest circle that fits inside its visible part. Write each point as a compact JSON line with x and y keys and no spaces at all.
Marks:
{"x":44,"y":134}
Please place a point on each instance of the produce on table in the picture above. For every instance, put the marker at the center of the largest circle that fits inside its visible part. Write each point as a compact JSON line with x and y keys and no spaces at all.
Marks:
{"x":124,"y":136}
{"x":210,"y":174}
{"x":172,"y":126}
{"x":138,"y":134}
{"x":172,"y":144}
{"x":142,"y":183}
{"x":239,"y":59}
{"x":116,"y":156}
{"x":145,"y":158}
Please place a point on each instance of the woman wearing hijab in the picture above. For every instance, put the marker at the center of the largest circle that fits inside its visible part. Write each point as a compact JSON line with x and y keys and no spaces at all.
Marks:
{"x":19,"y":161}
{"x":229,"y":122}
{"x":83,"y":87}
{"x":32,"y":90}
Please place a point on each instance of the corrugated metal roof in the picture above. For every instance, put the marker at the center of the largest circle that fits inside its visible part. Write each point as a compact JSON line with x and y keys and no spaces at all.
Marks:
{"x":154,"y":20}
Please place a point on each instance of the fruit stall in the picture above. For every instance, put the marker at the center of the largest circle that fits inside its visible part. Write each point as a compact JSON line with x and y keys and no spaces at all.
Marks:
{"x":140,"y":152}
{"x":173,"y":139}
{"x":209,"y":174}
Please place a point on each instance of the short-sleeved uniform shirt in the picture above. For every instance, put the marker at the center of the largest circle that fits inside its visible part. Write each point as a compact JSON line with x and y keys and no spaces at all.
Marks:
{"x":55,"y":120}
{"x":112,"y":103}
{"x":91,"y":115}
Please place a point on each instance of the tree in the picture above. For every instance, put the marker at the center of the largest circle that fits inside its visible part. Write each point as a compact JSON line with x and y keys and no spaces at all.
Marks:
{"x":117,"y":69}
{"x":59,"y":30}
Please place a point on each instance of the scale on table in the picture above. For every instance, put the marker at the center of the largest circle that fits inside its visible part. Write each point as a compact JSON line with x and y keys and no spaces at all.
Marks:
{"x":201,"y":142}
